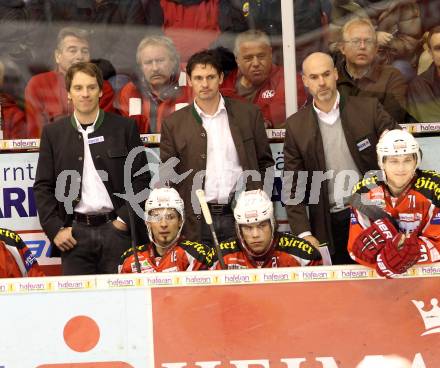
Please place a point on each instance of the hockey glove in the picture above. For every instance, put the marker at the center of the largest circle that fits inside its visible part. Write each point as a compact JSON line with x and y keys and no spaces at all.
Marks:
{"x":398,"y":256}
{"x":371,"y":241}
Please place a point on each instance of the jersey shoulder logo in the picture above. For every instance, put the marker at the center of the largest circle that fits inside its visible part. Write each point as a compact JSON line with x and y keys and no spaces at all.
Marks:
{"x":199,"y":251}
{"x":297,"y":247}
{"x":428,"y":184}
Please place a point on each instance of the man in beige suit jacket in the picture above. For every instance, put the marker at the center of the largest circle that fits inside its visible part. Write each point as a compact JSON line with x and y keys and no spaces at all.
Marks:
{"x":218,"y":140}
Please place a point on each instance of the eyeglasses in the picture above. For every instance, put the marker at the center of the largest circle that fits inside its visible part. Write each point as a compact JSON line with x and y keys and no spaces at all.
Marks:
{"x":356,"y":42}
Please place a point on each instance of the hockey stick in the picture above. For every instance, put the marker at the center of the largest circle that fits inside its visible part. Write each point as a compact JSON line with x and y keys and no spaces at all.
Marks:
{"x":208,"y":219}
{"x":372,"y":211}
{"x":133,"y":238}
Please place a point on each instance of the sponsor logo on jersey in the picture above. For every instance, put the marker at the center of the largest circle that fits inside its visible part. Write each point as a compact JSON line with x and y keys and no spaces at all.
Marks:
{"x":436,"y":219}
{"x":269,"y":93}
{"x":408,"y":217}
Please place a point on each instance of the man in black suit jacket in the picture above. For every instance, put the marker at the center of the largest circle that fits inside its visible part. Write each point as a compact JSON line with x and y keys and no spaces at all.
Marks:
{"x":80,"y":171}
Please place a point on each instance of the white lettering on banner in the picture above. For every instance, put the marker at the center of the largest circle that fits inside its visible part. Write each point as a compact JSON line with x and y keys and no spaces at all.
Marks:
{"x":293,"y":363}
{"x":327,"y":362}
{"x":247,"y":363}
{"x":17,"y":204}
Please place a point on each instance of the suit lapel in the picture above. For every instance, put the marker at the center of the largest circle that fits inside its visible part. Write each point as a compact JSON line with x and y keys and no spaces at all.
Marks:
{"x":313,"y":127}
{"x":236,"y":135}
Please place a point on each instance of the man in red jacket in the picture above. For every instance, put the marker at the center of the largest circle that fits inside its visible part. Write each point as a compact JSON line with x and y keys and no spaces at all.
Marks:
{"x":257,"y":80}
{"x":46,"y":94}
{"x":157,"y":94}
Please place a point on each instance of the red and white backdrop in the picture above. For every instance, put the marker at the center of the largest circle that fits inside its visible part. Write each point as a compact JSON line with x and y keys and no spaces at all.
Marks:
{"x":327,"y":317}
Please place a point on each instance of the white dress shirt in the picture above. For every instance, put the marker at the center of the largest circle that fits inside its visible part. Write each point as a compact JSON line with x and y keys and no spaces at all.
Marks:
{"x":329,"y":117}
{"x":222,"y":165}
{"x":94,"y":196}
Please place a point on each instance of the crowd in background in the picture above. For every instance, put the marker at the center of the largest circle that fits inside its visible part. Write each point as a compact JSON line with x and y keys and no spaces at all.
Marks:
{"x":115,"y":34}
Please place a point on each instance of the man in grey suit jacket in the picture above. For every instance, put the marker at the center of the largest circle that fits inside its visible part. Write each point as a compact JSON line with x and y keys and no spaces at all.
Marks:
{"x":335,"y":136}
{"x":216,"y":136}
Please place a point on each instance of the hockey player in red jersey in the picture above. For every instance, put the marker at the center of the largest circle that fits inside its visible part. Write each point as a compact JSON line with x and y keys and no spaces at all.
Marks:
{"x":258,"y":245}
{"x":16,"y":260}
{"x":167,"y":251}
{"x":411,"y":198}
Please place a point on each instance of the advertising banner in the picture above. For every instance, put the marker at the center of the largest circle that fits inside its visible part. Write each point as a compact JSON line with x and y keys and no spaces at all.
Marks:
{"x":316,"y":317}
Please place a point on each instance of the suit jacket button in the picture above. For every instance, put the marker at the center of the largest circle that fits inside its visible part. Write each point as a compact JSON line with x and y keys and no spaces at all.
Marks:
{"x":98,"y":156}
{"x":203,"y":134}
{"x":203,"y":155}
{"x":80,"y":136}
{"x":199,"y":217}
{"x":80,"y":158}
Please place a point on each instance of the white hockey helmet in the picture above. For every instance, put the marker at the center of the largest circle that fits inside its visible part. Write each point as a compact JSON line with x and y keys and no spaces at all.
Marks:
{"x":397,"y":142}
{"x":163,"y":198}
{"x":252,"y":207}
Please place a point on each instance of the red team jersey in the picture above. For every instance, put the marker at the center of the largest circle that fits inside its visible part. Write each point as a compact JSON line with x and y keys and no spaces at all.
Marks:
{"x":288,"y":251}
{"x":185,"y":255}
{"x":417,"y":209}
{"x":16,"y":260}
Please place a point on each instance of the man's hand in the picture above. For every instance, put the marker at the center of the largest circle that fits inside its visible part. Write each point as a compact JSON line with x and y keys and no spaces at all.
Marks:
{"x":121,"y":226}
{"x":398,"y":256}
{"x":312,"y":240}
{"x":64,"y":239}
{"x":384,"y":38}
{"x":373,"y":239}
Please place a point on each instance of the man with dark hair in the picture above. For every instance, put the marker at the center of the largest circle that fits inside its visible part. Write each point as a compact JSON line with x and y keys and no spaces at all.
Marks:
{"x":424,"y":90}
{"x":157,"y":93}
{"x":216,"y":139}
{"x":79,"y":174}
{"x":46,"y":95}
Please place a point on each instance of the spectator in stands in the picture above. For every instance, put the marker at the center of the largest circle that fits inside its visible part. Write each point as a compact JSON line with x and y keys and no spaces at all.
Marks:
{"x":256,"y":79}
{"x":216,"y":136}
{"x":16,"y":31}
{"x":16,"y":260}
{"x":424,"y":90}
{"x":334,"y":134}
{"x":88,"y":149}
{"x":157,"y":92}
{"x":193,"y":25}
{"x":12,"y":118}
{"x":407,"y":231}
{"x":117,"y":26}
{"x":359,"y":74}
{"x":257,"y":244}
{"x":45,"y":94}
{"x":398,"y":27}
{"x":167,"y":251}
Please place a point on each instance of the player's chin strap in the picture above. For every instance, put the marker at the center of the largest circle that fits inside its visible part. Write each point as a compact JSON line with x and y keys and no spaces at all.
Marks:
{"x":16,"y":254}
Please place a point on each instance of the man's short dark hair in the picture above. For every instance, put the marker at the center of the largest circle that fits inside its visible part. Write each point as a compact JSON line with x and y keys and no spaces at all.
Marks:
{"x":431,"y":33}
{"x":205,"y":57}
{"x":86,"y":68}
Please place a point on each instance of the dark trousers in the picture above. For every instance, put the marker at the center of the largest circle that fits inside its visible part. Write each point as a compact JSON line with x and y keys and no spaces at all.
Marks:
{"x":224,"y":226}
{"x":98,"y":249}
{"x":340,"y":228}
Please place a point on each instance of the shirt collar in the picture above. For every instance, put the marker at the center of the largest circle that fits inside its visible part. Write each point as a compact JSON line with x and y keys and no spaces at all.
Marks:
{"x":221,"y":107}
{"x":90,"y":128}
{"x":321,"y":114}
